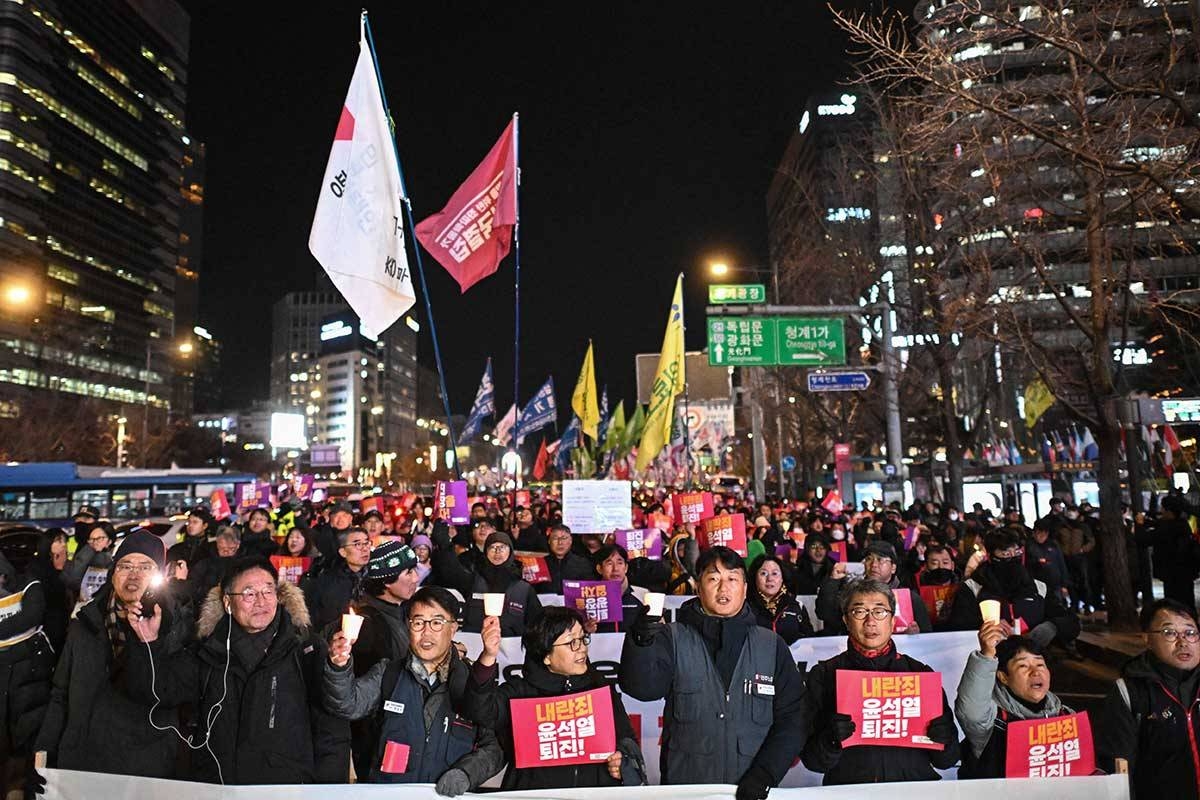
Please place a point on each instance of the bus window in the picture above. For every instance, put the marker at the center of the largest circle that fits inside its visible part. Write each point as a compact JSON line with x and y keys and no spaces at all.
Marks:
{"x":12,"y":505}
{"x":169,"y":500}
{"x":130,"y":503}
{"x":50,"y":504}
{"x":97,"y":498}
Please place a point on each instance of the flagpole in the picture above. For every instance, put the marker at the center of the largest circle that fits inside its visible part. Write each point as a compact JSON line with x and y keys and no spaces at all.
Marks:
{"x":517,"y":309}
{"x":687,"y":445}
{"x":437,"y":351}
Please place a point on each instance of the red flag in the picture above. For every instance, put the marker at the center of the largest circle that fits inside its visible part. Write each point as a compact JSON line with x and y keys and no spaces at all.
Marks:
{"x":473,"y":233}
{"x":543,"y":458}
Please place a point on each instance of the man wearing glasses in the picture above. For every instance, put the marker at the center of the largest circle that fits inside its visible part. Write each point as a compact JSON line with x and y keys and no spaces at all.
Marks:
{"x":563,"y":564}
{"x":868,"y":609}
{"x":1151,"y":716}
{"x":734,"y":710}
{"x":255,"y":679}
{"x":95,"y":720}
{"x":411,"y":704}
{"x":329,"y":593}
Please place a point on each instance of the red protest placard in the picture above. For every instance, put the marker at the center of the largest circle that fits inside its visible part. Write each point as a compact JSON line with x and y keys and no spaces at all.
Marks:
{"x":374,"y":503}
{"x":938,"y":600}
{"x":904,"y":610}
{"x":726,"y":530}
{"x":291,"y":568}
{"x":692,"y":507}
{"x":560,"y":731}
{"x":219,"y":505}
{"x":1050,"y":748}
{"x":890,"y":709}
{"x":522,"y":498}
{"x":837,"y":551}
{"x":534,"y":568}
{"x":660,"y":521}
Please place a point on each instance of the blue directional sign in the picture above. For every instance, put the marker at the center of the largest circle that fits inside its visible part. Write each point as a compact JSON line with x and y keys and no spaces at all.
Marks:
{"x":838,"y":381}
{"x":789,"y":463}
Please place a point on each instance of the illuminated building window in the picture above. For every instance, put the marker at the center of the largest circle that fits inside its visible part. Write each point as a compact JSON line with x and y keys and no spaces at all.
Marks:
{"x":112,"y":168}
{"x":151,"y":307}
{"x":29,"y":147}
{"x":124,"y":274}
{"x":16,"y":169}
{"x":100,"y":86}
{"x":60,"y":273}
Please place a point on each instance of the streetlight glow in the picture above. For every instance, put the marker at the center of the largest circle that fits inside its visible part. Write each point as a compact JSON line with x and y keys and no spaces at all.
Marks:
{"x":719,"y":268}
{"x":17,"y":295}
{"x":185,"y":348}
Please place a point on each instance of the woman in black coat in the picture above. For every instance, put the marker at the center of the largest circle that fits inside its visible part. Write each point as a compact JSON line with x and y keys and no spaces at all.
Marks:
{"x":773,"y":607}
{"x":556,"y":663}
{"x":496,"y":573}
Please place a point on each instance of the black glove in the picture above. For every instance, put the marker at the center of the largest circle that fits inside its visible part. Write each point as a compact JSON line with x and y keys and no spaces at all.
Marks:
{"x":754,"y":785}
{"x":35,"y":784}
{"x":943,"y":730}
{"x":453,"y":783}
{"x":441,"y":535}
{"x":841,"y":728}
{"x":645,"y":628}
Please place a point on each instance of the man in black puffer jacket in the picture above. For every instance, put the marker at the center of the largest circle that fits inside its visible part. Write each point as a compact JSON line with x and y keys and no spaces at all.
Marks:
{"x":734,"y":697}
{"x":868,"y":607}
{"x":258,"y":661}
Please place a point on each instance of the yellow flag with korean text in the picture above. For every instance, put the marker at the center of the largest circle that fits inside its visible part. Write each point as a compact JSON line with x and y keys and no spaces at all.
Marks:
{"x":669,"y":380}
{"x":583,"y":401}
{"x":1038,"y":398}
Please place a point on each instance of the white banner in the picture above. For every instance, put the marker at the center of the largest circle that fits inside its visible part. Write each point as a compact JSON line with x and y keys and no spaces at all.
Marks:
{"x":596,"y":506}
{"x":943,"y":652}
{"x":67,"y":785}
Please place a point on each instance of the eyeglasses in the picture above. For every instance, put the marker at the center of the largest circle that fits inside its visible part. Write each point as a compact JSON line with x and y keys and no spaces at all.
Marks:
{"x":861,"y":613}
{"x":1012,"y":552}
{"x":576,"y":644}
{"x":142,"y":569}
{"x":1188,"y":634}
{"x":497,"y":548}
{"x":436,"y":624}
{"x":101,"y":538}
{"x":248,"y":596}
{"x":363,"y":543}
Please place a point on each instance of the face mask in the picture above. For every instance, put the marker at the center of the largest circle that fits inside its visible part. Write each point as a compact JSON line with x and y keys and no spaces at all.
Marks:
{"x":953,"y":516}
{"x":938,"y":577}
{"x":1007,"y":570}
{"x":838,"y":535}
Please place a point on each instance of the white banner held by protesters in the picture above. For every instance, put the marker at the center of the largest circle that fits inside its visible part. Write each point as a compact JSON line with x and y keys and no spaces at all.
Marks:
{"x":358,"y":231}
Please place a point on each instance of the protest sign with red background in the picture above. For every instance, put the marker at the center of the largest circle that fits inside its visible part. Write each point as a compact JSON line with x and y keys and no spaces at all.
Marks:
{"x":291,"y":568}
{"x":837,"y":551}
{"x":534,"y":568}
{"x":726,"y":530}
{"x":938,"y":600}
{"x":218,"y":504}
{"x":904,"y":611}
{"x":374,"y":503}
{"x":692,"y":507}
{"x":890,"y":709}
{"x":560,"y":731}
{"x":1050,"y":748}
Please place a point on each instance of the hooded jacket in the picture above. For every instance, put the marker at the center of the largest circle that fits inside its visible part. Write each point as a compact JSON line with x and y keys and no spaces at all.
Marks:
{"x":98,"y":718}
{"x":1151,"y":718}
{"x":488,"y":705}
{"x":521,"y":604}
{"x":271,"y":726}
{"x":984,"y":707}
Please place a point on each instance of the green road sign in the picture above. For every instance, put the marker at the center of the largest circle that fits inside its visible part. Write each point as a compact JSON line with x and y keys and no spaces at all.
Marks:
{"x":748,"y":293}
{"x":776,"y":341}
{"x":811,"y":340}
{"x":741,"y":341}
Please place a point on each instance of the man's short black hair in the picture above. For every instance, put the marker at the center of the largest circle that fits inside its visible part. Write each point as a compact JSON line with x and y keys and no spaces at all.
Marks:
{"x":1001,"y":539}
{"x":724,"y":556}
{"x":478,"y":505}
{"x":1166,"y":604}
{"x":554,"y":622}
{"x":241,"y":566}
{"x":1013,"y":646}
{"x":606,"y":552}
{"x":436,"y":596}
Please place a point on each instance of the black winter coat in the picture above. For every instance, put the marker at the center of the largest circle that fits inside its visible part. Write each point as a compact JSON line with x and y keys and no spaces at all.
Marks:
{"x":866,"y":763}
{"x":1031,"y":601}
{"x":272,"y":726}
{"x":26,"y":667}
{"x":790,"y":619}
{"x":571,"y":567}
{"x":98,"y":719}
{"x":803,"y":580}
{"x":329,"y":594}
{"x":487,"y":704}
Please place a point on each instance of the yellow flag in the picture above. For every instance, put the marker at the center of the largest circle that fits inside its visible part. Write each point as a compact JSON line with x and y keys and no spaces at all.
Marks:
{"x":583,"y":402}
{"x":1038,"y":398}
{"x":669,"y":380}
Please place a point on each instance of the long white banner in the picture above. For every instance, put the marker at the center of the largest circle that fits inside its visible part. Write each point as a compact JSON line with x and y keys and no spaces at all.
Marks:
{"x":943,"y":652}
{"x":67,"y":785}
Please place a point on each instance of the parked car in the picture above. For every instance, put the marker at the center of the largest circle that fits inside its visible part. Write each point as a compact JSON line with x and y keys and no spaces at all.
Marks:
{"x":19,"y":543}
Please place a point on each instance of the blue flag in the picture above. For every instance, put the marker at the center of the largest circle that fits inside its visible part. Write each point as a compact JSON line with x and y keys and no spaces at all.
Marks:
{"x":484,"y":406}
{"x":604,"y":416}
{"x":568,"y":442}
{"x":541,"y":411}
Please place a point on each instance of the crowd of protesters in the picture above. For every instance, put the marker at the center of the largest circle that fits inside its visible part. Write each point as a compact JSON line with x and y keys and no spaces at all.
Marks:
{"x":224,"y":658}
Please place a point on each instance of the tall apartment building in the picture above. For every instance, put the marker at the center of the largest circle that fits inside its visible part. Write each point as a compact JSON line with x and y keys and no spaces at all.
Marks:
{"x":92,"y":145}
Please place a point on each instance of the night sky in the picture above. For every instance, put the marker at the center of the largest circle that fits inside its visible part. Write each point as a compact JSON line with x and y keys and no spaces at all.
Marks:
{"x":649,"y":135}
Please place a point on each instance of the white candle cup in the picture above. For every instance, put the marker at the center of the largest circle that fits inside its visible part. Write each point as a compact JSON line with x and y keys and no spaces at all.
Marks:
{"x":654,"y":603}
{"x":351,"y":625}
{"x":493,"y":604}
{"x":990,"y":610}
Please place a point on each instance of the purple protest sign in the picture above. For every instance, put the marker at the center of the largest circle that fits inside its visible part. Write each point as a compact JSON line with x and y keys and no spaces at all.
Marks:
{"x":262,"y":495}
{"x":598,"y":600}
{"x":450,"y":502}
{"x":304,"y":487}
{"x":641,"y":543}
{"x":247,"y":496}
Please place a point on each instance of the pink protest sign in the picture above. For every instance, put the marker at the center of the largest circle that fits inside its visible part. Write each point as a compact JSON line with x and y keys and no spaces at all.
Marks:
{"x":561,"y":731}
{"x":725,"y":530}
{"x":691,"y":507}
{"x":890,"y":709}
{"x":1050,"y":748}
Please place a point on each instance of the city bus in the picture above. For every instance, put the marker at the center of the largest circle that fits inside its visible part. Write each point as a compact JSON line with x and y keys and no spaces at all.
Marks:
{"x":49,"y":493}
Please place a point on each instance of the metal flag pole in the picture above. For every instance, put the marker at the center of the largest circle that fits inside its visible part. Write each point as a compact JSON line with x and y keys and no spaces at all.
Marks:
{"x":516,"y":439}
{"x":437,"y":351}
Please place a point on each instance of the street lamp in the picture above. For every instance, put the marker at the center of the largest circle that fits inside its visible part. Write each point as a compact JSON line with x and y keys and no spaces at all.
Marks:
{"x":17,"y":295}
{"x":186,"y":348}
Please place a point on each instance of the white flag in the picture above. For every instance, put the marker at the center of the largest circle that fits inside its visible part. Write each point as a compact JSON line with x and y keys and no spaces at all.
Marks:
{"x":504,"y":427}
{"x":357,"y":233}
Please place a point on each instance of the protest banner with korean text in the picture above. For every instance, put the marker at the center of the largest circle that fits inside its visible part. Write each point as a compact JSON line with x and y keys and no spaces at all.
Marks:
{"x":218,"y":505}
{"x":641,"y":543}
{"x":691,"y":507}
{"x":534,"y":568}
{"x":724,"y":530}
{"x":598,"y":600}
{"x":890,"y":709}
{"x":291,"y":568}
{"x":450,"y":502}
{"x":561,"y":731}
{"x":1050,"y":748}
{"x":939,"y":599}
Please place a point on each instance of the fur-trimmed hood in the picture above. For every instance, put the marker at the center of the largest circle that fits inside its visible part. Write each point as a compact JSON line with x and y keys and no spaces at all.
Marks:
{"x":291,"y":600}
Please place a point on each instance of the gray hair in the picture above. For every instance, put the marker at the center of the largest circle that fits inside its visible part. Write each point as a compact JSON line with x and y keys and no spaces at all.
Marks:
{"x":865,"y":586}
{"x":229,"y":532}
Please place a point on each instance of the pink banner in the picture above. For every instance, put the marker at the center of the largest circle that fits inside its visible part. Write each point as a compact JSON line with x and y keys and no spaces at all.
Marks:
{"x":1050,"y":748}
{"x":561,"y":731}
{"x":890,"y":709}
